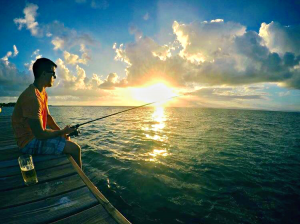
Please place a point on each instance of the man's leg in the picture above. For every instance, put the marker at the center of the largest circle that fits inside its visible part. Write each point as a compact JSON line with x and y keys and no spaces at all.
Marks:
{"x":74,"y":150}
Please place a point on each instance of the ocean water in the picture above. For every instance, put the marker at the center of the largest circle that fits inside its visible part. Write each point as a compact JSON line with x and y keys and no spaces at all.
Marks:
{"x":192,"y":165}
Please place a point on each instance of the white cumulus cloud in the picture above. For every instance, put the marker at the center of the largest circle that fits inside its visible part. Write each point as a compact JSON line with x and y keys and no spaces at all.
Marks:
{"x":16,"y":52}
{"x":10,"y":54}
{"x":74,"y":58}
{"x":281,"y":39}
{"x":28,"y":21}
{"x":36,"y":55}
{"x":210,"y":53}
{"x":58,"y":43}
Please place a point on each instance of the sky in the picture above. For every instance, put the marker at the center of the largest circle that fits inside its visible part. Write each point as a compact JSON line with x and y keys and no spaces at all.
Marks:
{"x":215,"y":54}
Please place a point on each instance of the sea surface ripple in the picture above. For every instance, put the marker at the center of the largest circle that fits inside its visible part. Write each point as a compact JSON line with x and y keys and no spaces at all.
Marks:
{"x":192,"y":165}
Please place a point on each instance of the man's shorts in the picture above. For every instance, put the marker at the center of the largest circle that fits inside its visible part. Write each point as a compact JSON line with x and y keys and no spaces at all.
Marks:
{"x":51,"y":146}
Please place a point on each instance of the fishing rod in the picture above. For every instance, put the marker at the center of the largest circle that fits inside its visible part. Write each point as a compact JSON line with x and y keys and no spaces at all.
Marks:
{"x":76,"y":132}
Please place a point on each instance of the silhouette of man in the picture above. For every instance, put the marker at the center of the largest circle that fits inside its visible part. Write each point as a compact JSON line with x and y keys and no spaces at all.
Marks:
{"x":31,"y":117}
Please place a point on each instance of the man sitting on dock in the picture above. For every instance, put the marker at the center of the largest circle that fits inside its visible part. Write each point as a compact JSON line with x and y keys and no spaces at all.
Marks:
{"x":31,"y":117}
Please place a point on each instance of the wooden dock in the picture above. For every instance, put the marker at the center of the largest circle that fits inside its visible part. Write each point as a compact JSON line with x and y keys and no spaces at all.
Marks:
{"x":64,"y":194}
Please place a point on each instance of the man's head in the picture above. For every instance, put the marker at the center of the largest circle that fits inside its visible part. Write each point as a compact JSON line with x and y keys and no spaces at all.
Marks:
{"x":44,"y":71}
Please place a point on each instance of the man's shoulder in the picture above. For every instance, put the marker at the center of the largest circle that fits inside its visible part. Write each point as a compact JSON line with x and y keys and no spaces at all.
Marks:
{"x":28,"y":95}
{"x":28,"y":91}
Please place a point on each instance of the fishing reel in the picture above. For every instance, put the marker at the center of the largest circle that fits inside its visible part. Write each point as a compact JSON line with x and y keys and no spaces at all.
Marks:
{"x":76,"y":132}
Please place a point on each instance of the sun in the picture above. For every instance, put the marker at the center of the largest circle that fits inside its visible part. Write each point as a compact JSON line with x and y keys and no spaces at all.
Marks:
{"x":157,"y":92}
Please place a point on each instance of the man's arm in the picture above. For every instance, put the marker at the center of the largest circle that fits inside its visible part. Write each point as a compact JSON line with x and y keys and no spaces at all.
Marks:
{"x":51,"y":123}
{"x":39,"y":133}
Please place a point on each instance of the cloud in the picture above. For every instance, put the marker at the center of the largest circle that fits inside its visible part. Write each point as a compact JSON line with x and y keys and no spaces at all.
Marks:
{"x":209,"y":53}
{"x":61,"y":36}
{"x":146,"y":16}
{"x":16,"y":52}
{"x":58,"y":43}
{"x":286,"y":93}
{"x":12,"y":81}
{"x":5,"y":58}
{"x":77,"y":80}
{"x":10,"y":54}
{"x":112,"y":81}
{"x":99,"y":4}
{"x":227,"y":94}
{"x":147,"y":61}
{"x":29,"y":20}
{"x":36,"y":54}
{"x":204,"y":41}
{"x":95,"y":4}
{"x":66,"y":38}
{"x":136,"y":32}
{"x":74,"y":59}
{"x":281,"y":39}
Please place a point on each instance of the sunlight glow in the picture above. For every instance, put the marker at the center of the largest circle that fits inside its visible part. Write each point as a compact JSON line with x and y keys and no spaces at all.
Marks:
{"x":159,"y":117}
{"x":154,"y":131}
{"x":159,"y":152}
{"x":153,"y":93}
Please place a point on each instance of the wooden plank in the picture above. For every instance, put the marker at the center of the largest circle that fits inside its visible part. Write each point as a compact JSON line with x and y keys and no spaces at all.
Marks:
{"x":15,"y":170}
{"x":7,"y":132}
{"x":50,"y":209}
{"x":7,"y":137}
{"x":12,"y":147}
{"x":9,"y":154}
{"x":6,"y":123}
{"x":4,"y":116}
{"x":40,"y":191}
{"x":36,"y":159}
{"x":101,"y":198}
{"x":94,"y":215}
{"x":8,"y":142}
{"x":9,"y":183}
{"x":5,"y":126}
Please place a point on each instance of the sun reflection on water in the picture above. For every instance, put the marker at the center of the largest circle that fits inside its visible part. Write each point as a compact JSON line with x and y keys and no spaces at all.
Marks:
{"x":159,"y":152}
{"x":154,"y":131}
{"x":159,"y":117}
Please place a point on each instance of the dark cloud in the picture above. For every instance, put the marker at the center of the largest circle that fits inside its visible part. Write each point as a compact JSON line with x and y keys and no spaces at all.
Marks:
{"x":12,"y":81}
{"x":225,"y":94}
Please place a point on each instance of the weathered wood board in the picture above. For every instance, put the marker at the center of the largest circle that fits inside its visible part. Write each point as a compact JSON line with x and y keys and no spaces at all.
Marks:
{"x":64,"y":194}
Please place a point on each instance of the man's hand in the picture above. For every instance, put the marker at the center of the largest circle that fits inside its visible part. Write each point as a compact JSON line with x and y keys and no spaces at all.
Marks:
{"x":40,"y":133}
{"x":68,"y":130}
{"x":67,"y":137}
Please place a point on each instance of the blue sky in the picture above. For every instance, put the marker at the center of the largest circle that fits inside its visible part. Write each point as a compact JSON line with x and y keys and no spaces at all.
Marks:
{"x":227,"y":54}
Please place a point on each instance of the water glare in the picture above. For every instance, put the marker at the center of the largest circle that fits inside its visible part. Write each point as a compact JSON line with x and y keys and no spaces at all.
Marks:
{"x":155,"y":132}
{"x":193,"y":165}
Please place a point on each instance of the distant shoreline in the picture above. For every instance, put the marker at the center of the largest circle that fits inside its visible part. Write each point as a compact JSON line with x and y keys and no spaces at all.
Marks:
{"x":7,"y":104}
{"x":249,"y":109}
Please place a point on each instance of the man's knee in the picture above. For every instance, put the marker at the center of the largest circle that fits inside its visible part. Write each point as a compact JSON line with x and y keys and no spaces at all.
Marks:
{"x":72,"y":147}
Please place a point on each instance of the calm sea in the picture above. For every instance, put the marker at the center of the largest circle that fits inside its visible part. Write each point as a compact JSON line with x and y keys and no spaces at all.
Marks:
{"x":191,"y":165}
